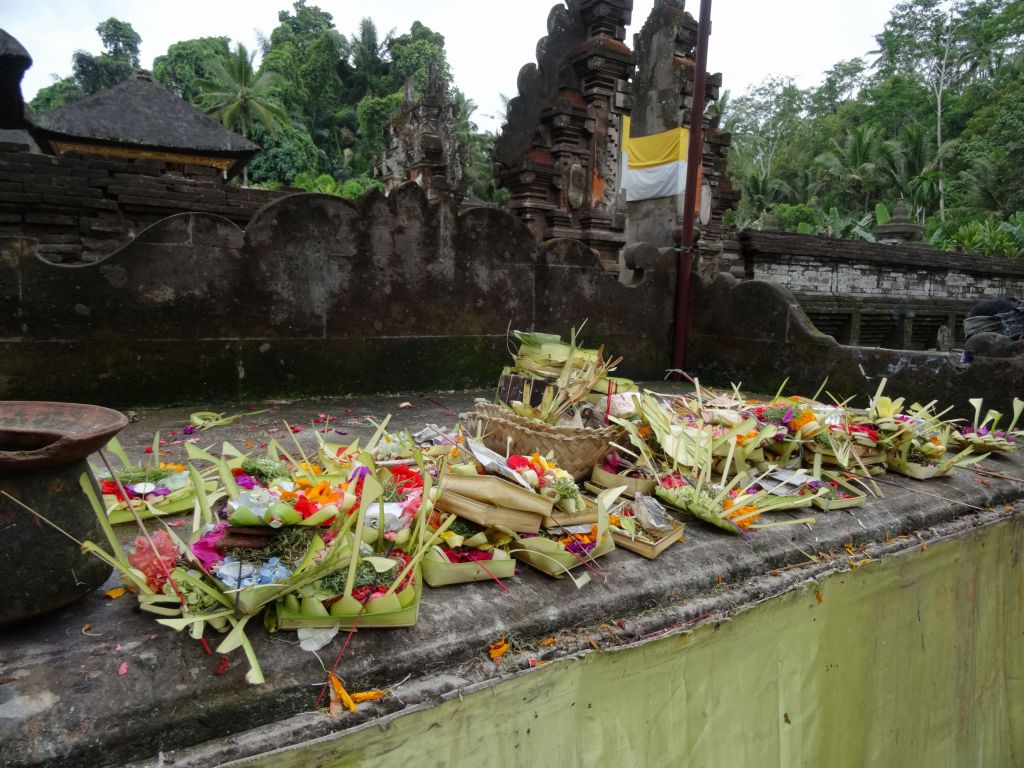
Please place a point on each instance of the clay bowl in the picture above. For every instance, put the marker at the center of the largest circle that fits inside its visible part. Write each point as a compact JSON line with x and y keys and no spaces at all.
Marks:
{"x":38,"y":435}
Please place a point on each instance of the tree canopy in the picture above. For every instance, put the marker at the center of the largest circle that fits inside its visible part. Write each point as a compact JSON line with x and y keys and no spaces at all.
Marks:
{"x":317,"y":100}
{"x":92,"y":73}
{"x":933,"y":117}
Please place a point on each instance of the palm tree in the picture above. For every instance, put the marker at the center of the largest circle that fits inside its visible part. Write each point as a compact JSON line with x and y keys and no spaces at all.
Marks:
{"x":854,"y":162}
{"x":761,"y":191}
{"x":986,"y":195}
{"x":240,"y":98}
{"x":367,"y":54}
{"x":911,"y":163}
{"x":804,"y":187}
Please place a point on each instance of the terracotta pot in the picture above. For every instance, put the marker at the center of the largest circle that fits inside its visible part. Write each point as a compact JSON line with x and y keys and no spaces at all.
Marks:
{"x":43,"y":447}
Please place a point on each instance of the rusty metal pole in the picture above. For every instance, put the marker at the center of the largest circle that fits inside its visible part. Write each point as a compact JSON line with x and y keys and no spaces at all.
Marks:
{"x":694,"y":159}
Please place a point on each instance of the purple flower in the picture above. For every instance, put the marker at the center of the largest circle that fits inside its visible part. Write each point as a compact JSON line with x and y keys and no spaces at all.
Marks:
{"x":787,"y":416}
{"x":578,"y":547}
{"x":205,"y":549}
{"x":159,"y":491}
{"x":245,"y":481}
{"x":189,"y":430}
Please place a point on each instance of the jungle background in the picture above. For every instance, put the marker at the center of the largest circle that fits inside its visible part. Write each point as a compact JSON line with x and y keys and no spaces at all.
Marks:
{"x":933,"y":117}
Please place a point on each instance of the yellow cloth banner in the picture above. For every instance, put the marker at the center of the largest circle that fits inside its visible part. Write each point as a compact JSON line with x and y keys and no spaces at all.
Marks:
{"x":657,"y":149}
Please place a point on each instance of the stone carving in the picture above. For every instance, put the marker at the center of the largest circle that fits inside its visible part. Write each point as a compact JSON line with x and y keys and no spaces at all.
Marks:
{"x":423,"y":146}
{"x":559,"y":151}
{"x":14,"y":60}
{"x":663,"y":99}
{"x":900,"y":229}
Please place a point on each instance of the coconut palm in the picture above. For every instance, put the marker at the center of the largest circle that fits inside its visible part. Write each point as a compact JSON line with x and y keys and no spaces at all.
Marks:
{"x":762,"y":191}
{"x":239,"y":97}
{"x":854,"y":162}
{"x":911,"y":163}
{"x":986,"y":196}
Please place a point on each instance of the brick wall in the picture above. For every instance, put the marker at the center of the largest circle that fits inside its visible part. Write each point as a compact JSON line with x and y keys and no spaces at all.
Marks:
{"x":316,"y":296}
{"x":79,"y":208}
{"x":867,"y":294}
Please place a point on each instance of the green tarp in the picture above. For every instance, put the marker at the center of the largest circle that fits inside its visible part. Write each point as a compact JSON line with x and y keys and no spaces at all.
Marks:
{"x":914,"y":660}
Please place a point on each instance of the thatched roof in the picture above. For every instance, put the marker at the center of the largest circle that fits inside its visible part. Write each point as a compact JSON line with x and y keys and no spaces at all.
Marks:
{"x":142,"y":113}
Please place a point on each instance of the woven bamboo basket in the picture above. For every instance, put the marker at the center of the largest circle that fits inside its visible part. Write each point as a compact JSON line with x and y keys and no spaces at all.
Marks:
{"x":576,"y":450}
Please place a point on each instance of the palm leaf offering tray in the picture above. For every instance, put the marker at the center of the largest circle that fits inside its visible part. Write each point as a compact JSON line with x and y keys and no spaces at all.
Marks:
{"x":558,"y":551}
{"x":644,"y":526}
{"x":984,"y":435}
{"x":467,"y":553}
{"x":333,"y":536}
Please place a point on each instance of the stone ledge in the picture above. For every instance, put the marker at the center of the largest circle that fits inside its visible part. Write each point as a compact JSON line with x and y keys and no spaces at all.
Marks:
{"x":95,"y":717}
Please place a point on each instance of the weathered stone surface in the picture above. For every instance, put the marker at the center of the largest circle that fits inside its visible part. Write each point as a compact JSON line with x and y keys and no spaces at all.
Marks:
{"x":662,"y":101}
{"x":14,"y":60}
{"x":879,"y":295}
{"x":559,"y":151}
{"x":756,"y":333}
{"x":372,"y":295}
{"x":67,"y":706}
{"x":423,"y":145}
{"x":64,"y":197}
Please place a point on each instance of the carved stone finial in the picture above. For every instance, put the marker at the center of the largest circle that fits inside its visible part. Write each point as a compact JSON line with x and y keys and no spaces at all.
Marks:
{"x":423,"y":144}
{"x":900,"y":229}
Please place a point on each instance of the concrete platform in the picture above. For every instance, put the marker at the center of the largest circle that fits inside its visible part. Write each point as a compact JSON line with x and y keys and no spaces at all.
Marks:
{"x":64,"y":703}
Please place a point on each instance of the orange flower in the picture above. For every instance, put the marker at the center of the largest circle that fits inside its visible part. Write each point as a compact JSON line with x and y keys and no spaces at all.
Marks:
{"x":498,"y":648}
{"x":746,"y":522}
{"x":322,"y":493}
{"x":741,"y":439}
{"x":805,"y":418}
{"x":362,"y":696}
{"x":582,"y":538}
{"x":339,"y":695}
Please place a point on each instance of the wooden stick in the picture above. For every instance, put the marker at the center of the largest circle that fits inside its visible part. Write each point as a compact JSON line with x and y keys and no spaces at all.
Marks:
{"x":990,"y":473}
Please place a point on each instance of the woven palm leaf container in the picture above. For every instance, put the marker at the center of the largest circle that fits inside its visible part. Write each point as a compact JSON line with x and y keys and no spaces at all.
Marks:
{"x":574,"y":449}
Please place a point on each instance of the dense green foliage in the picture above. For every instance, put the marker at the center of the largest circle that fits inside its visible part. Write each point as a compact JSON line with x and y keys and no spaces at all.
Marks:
{"x":188,"y":62}
{"x":935,"y":118}
{"x":92,"y":73}
{"x":318,"y":103}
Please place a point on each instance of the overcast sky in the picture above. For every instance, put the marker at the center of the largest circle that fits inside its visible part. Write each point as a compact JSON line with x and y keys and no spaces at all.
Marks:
{"x":487,"y":41}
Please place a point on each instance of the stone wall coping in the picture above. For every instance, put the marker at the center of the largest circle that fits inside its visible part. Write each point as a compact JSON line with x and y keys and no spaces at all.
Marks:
{"x":104,"y":718}
{"x":910,"y":257}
